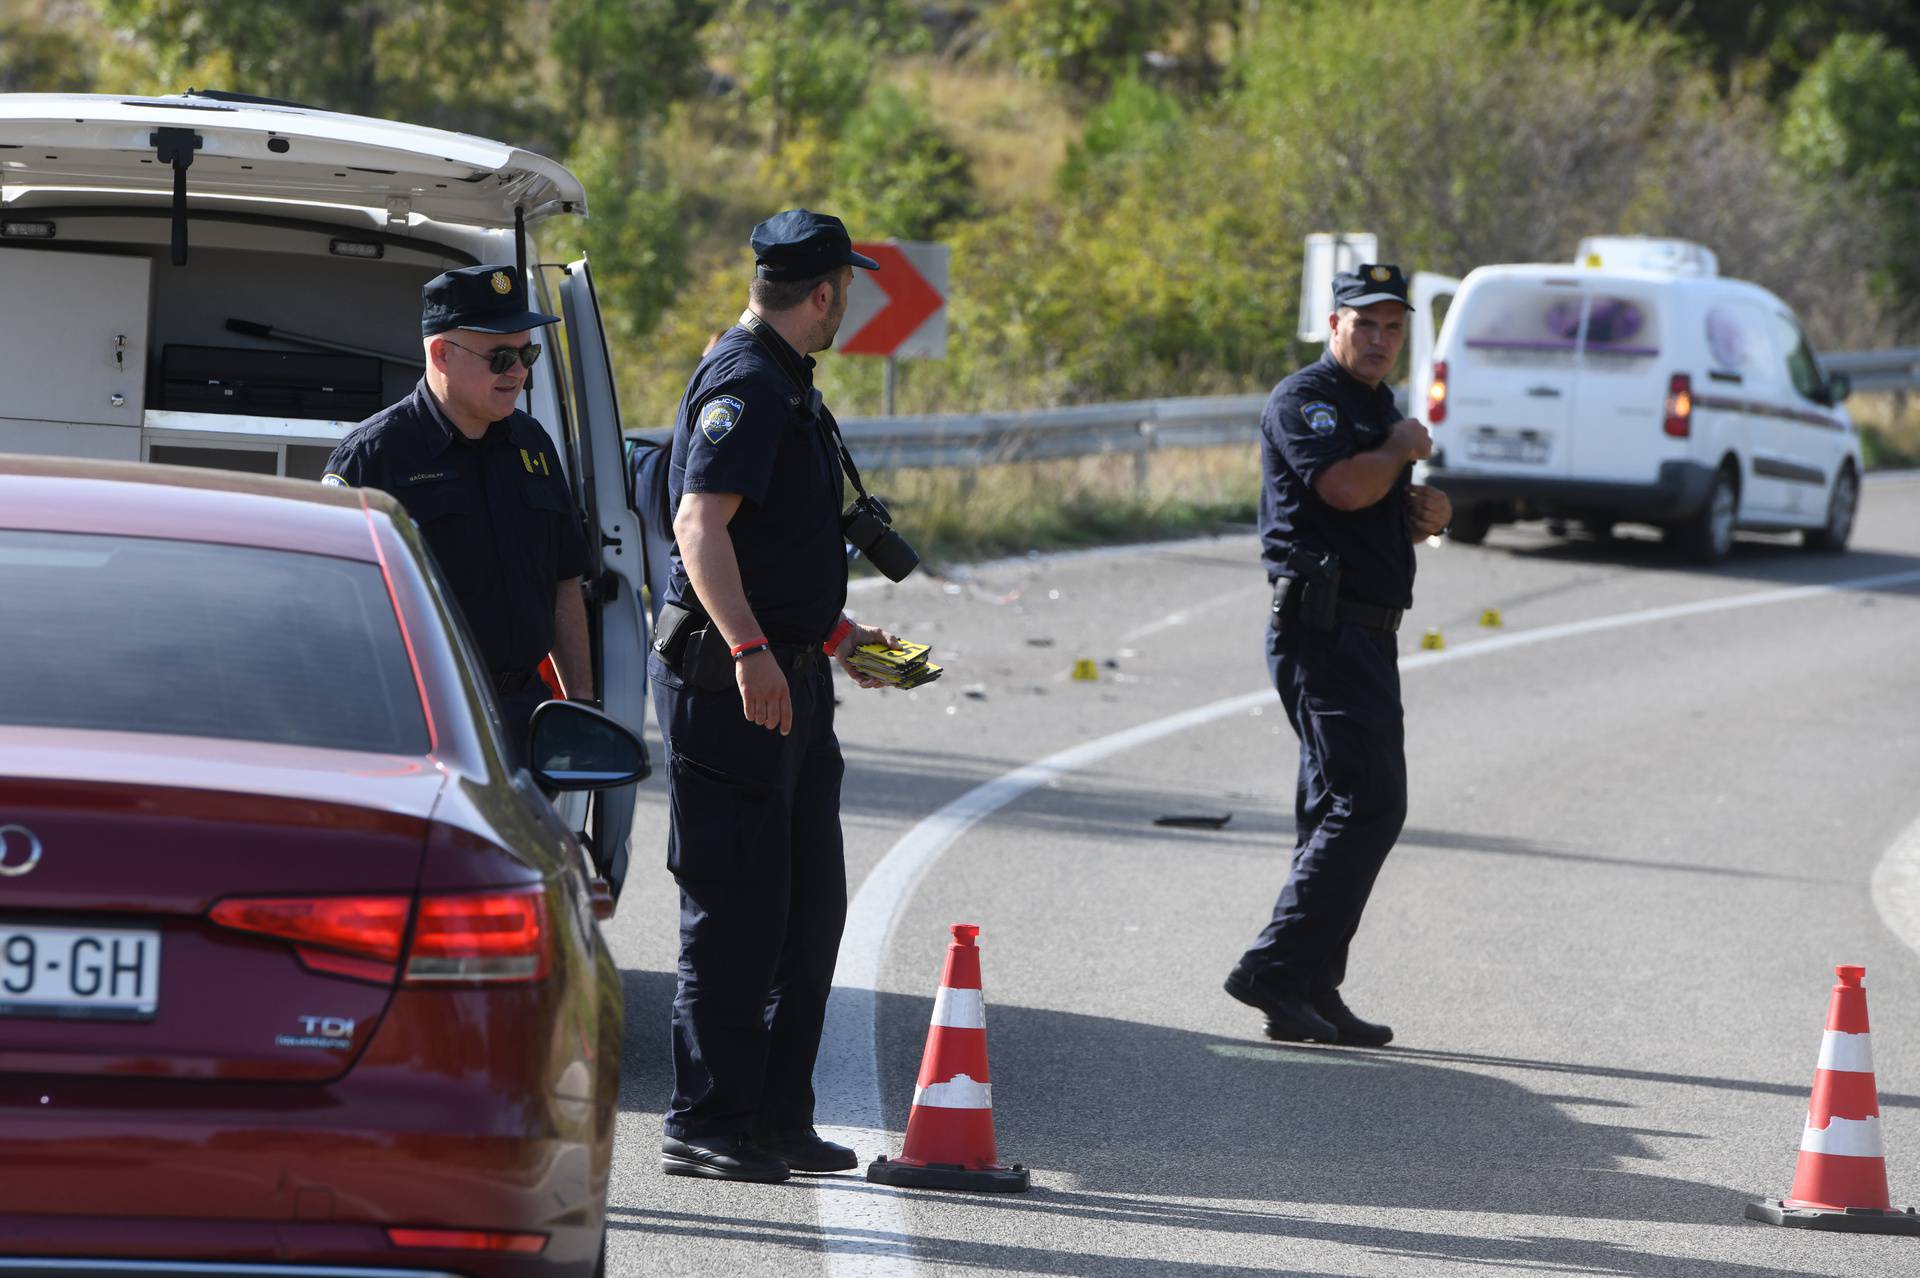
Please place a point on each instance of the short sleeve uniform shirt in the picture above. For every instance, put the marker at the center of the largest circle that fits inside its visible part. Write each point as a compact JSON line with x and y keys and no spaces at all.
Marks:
{"x":1318,"y":416}
{"x":497,"y":513}
{"x":746,"y":427}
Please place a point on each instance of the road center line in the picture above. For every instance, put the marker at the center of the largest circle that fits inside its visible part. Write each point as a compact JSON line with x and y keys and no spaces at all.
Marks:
{"x":848,"y":1078}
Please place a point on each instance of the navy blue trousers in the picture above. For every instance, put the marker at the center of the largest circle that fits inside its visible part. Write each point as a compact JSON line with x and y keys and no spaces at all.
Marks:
{"x":754,"y":844}
{"x":1341,"y":689}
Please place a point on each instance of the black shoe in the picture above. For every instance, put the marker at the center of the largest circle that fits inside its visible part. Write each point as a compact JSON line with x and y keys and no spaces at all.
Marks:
{"x":721,"y":1158}
{"x":1290,"y":1018}
{"x":805,"y":1151}
{"x":1353,"y":1031}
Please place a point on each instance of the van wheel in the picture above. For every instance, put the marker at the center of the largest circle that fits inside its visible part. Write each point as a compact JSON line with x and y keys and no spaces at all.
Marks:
{"x":1842,"y":502}
{"x":1707,"y":536}
{"x":1469,"y":526}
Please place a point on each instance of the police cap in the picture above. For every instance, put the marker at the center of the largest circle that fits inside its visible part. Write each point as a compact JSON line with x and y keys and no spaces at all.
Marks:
{"x":799,"y":245}
{"x":486,"y":299}
{"x":1368,"y":283}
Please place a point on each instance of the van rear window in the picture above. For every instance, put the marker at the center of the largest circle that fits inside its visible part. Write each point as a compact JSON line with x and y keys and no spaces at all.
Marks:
{"x":1516,"y":320}
{"x":135,"y":634}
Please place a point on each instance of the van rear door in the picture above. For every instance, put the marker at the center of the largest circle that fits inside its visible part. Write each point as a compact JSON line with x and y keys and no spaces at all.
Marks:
{"x":1512,"y":353}
{"x":618,"y":621}
{"x":1619,"y":403}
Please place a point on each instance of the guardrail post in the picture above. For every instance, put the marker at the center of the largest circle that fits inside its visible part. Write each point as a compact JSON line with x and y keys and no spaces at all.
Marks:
{"x":1143,"y":460}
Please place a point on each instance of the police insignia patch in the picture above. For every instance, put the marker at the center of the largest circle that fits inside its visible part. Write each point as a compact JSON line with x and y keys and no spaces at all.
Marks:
{"x":502,"y":283}
{"x":1320,"y":417}
{"x":1380,"y":274}
{"x":720,"y":416}
{"x":332,"y":480}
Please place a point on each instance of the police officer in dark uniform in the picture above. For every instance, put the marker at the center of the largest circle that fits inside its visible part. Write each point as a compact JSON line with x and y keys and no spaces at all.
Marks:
{"x":483,"y":482}
{"x":1339,"y":517}
{"x":744,"y":693}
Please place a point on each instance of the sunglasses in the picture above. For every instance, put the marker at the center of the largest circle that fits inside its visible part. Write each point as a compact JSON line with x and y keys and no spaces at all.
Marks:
{"x":501,"y":359}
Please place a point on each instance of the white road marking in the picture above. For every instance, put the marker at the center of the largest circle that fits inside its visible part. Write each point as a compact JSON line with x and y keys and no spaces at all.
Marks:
{"x":849,"y":1072}
{"x":1896,"y":887}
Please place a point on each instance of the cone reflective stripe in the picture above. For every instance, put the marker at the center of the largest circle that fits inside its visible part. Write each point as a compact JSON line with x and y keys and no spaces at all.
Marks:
{"x":1840,"y":1180}
{"x":950,"y":1142}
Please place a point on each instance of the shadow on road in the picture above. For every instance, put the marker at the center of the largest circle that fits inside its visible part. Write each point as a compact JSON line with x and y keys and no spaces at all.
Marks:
{"x":1144,"y":1111}
{"x":1775,"y":560}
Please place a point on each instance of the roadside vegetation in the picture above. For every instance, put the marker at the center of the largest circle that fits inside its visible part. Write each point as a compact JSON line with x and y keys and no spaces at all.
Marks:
{"x":1124,"y":185}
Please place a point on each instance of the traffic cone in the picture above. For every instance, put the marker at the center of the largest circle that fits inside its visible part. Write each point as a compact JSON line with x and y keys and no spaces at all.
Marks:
{"x":1841,"y":1179}
{"x":950,"y":1128}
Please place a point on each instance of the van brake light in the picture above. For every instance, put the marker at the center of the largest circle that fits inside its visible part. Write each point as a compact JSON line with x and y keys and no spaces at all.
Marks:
{"x":1437,"y":394}
{"x":1679,"y":423}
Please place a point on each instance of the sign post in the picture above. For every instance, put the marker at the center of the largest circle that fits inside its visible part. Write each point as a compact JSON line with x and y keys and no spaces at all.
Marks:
{"x":1327,"y":256}
{"x":899,"y":311}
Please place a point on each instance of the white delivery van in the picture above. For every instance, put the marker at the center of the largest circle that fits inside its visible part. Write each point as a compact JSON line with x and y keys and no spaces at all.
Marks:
{"x":214,"y":280}
{"x":1637,"y":385}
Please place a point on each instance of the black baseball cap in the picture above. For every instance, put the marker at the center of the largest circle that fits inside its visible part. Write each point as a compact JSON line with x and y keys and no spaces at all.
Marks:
{"x":486,"y":299}
{"x":1368,"y":283}
{"x":799,"y":245}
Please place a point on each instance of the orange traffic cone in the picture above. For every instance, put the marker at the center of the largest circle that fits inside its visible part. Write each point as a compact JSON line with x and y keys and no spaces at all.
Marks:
{"x":1841,"y":1179}
{"x":950,"y":1128}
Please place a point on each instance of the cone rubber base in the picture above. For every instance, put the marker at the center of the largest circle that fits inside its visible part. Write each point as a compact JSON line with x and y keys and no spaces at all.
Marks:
{"x":1852,"y":1220}
{"x":984,"y":1180}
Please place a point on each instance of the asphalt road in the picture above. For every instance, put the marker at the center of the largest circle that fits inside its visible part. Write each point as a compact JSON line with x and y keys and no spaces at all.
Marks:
{"x":1647,"y":818}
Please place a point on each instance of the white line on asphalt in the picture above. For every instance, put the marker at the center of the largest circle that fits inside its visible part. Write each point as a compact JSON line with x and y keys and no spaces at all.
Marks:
{"x":849,"y":1073}
{"x":1896,"y":887}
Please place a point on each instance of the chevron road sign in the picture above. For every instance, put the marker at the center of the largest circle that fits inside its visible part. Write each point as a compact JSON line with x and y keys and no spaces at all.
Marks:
{"x":900,"y":310}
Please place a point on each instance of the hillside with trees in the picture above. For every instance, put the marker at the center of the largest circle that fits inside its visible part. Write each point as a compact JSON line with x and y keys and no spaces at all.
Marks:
{"x":1125,"y":184}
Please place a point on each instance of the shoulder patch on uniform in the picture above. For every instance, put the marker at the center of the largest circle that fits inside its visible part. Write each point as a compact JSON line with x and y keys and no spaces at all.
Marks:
{"x":720,"y":416}
{"x":1320,"y":417}
{"x":332,"y":480}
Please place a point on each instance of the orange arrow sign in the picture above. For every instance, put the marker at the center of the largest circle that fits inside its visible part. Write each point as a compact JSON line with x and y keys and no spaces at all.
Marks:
{"x":910,"y":302}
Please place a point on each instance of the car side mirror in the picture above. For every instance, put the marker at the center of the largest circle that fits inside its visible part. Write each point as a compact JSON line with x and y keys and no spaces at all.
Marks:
{"x":575,"y":747}
{"x":1839,"y":386}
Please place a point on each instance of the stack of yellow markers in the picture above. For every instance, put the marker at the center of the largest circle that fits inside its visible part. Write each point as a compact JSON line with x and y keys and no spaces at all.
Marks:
{"x":903,"y":667}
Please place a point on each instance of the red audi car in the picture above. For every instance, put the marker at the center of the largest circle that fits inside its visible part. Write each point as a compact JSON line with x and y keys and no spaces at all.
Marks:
{"x":297,"y":974}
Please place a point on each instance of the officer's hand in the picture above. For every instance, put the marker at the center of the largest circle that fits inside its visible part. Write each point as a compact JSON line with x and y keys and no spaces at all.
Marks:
{"x":1430,"y":509}
{"x":855,"y":638}
{"x":764,"y":694}
{"x":1411,"y":437}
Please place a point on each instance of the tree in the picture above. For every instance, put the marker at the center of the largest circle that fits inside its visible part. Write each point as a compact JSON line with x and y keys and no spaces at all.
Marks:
{"x":1856,"y":113}
{"x":39,"y":53}
{"x":896,"y":173}
{"x":805,"y":64}
{"x":629,"y":60}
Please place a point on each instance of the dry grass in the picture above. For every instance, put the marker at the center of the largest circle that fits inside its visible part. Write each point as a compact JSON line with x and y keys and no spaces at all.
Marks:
{"x":1014,"y":129}
{"x":968,"y":513}
{"x":1889,"y":428}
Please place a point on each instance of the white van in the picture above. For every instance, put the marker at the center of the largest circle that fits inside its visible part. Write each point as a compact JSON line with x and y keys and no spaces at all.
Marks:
{"x":213,"y":280}
{"x":1637,"y":385}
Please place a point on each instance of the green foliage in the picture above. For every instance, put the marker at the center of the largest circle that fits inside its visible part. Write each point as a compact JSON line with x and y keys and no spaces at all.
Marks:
{"x":1135,"y":119}
{"x":1856,"y":113}
{"x":806,"y":63}
{"x":630,"y":60}
{"x":895,"y":172}
{"x":635,"y":231}
{"x":1087,"y":44}
{"x":37,"y":56}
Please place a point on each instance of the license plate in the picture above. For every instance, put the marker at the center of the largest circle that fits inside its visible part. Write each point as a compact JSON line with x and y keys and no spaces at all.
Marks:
{"x":78,"y":971}
{"x":1506,"y":448}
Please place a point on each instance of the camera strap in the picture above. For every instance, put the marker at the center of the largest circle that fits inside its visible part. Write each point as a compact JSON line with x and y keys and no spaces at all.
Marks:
{"x":782,"y":354}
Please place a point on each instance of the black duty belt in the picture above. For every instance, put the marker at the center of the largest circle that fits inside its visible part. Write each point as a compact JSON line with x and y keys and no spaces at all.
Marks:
{"x":1373,"y":616}
{"x":508,"y":682}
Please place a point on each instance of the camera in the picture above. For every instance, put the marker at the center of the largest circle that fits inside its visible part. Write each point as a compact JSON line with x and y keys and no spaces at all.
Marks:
{"x":868,"y":527}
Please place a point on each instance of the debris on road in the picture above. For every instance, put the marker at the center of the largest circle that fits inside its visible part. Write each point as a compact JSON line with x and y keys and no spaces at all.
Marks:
{"x":1197,"y":822}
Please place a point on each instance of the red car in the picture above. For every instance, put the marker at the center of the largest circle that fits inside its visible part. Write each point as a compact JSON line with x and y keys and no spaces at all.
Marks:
{"x":296,"y":972}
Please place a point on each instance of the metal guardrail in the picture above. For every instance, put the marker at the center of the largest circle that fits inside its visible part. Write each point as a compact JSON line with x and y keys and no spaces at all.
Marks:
{"x":1141,"y":427}
{"x":1897,"y":369}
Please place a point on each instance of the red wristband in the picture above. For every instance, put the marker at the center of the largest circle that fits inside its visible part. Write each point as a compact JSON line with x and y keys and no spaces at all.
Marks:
{"x":755,"y":644}
{"x":840,"y":632}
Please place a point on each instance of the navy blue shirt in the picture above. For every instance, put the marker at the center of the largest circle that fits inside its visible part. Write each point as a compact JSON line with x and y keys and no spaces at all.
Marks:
{"x":497,"y":512}
{"x":1321,"y":415}
{"x":746,"y":426}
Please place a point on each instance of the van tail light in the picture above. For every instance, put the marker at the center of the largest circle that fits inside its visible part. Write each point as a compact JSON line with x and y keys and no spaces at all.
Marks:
{"x":1679,"y":423}
{"x":458,"y":938}
{"x":468,"y":1240}
{"x":484,"y":937}
{"x":1437,"y":394}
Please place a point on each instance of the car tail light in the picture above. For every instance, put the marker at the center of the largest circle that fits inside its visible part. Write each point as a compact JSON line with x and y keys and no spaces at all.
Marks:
{"x":1679,"y":423}
{"x":467,"y":1239}
{"x":466,"y":937}
{"x":492,"y":936}
{"x":357,"y":936}
{"x":1437,"y":394}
